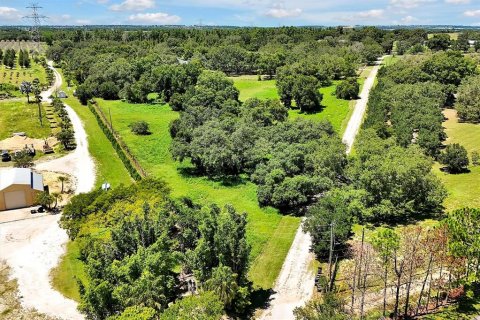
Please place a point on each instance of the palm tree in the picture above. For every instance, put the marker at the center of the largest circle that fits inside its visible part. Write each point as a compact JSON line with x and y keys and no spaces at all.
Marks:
{"x":223,"y":283}
{"x":38,"y":97}
{"x":63,"y":180}
{"x":56,"y":197}
{"x":26,"y":88}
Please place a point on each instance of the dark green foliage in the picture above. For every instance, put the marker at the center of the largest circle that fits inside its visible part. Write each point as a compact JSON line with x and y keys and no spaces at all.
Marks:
{"x":398,"y":182}
{"x":66,"y":137}
{"x":439,"y":42}
{"x":338,"y":207}
{"x":205,"y":306}
{"x":306,"y":93}
{"x":149,"y":235}
{"x":468,"y":100}
{"x":22,"y":159}
{"x":455,"y":157}
{"x":348,"y":89}
{"x":9,"y":58}
{"x":140,"y":128}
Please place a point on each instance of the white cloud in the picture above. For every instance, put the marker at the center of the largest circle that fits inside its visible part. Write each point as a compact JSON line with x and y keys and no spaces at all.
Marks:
{"x":7,"y":13}
{"x":458,"y":1}
{"x":472,"y":13}
{"x":133,"y":5}
{"x":408,"y":20}
{"x":409,"y":4}
{"x":102,"y":1}
{"x":283,"y":13}
{"x":154,"y":18}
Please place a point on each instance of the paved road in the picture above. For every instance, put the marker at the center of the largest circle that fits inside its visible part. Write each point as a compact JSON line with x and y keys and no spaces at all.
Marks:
{"x":295,"y":283}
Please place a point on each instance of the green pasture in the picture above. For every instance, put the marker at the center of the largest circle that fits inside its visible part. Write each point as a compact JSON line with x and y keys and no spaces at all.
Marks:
{"x":20,"y":116}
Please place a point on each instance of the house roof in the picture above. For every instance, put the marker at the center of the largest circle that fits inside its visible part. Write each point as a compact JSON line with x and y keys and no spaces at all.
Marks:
{"x":21,"y":176}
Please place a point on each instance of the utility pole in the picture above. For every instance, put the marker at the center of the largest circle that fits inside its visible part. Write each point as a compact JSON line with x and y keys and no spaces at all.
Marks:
{"x":36,"y":18}
{"x":330,"y":256}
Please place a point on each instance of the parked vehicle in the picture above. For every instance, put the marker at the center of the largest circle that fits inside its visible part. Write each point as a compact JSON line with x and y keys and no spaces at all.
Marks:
{"x":6,"y":156}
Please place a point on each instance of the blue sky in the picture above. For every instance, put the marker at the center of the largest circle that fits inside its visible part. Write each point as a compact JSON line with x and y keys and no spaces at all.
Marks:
{"x":247,"y":12}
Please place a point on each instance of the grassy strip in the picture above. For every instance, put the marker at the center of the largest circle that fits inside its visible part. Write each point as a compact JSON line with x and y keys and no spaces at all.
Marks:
{"x":116,"y":145}
{"x":20,"y":116}
{"x":463,"y":189}
{"x":269,"y":233}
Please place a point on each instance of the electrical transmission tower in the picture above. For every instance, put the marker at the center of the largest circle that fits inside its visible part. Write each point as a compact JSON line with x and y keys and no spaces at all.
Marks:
{"x":36,"y":18}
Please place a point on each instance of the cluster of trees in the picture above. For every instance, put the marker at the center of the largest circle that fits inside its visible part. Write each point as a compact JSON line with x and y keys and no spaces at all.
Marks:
{"x":66,"y":135}
{"x":408,"y":101}
{"x":468,"y":100}
{"x":24,"y":59}
{"x":169,"y":61}
{"x":131,"y":270}
{"x":291,"y":161}
{"x":8,"y":57}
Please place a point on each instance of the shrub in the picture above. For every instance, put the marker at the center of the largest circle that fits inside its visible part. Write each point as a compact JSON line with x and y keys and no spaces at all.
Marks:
{"x":475,"y":158}
{"x":455,"y":158}
{"x":139,"y":128}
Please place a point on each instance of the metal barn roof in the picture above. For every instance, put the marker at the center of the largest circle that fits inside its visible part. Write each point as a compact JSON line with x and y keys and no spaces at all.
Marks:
{"x":21,"y":176}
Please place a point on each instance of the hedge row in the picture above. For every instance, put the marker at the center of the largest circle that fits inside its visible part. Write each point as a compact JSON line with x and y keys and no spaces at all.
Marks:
{"x":121,"y":153}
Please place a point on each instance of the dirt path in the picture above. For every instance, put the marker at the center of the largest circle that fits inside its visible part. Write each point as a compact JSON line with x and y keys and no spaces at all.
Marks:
{"x":33,"y":247}
{"x":360,"y":108}
{"x":295,"y":283}
{"x":78,"y":163}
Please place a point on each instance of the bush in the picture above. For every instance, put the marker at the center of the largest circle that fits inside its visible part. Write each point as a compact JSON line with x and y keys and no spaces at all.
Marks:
{"x":348,"y":89}
{"x":475,"y":158}
{"x":139,"y":128}
{"x":455,"y":158}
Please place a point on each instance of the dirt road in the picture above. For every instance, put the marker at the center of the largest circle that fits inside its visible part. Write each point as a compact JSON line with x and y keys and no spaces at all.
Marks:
{"x":295,"y":283}
{"x":33,"y":247}
{"x":360,"y":107}
{"x":78,"y":163}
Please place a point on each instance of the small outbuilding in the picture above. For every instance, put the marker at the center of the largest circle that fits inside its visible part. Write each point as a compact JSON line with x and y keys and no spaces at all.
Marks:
{"x":19,"y":188}
{"x":62,"y":95}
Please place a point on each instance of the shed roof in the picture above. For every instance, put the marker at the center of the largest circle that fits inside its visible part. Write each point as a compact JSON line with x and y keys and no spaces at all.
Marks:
{"x":21,"y":176}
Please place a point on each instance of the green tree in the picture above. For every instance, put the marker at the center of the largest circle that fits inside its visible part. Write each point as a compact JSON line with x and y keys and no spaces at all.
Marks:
{"x":386,"y":241}
{"x":463,"y":227}
{"x":45,"y":199}
{"x":22,"y":159}
{"x":330,"y":307}
{"x":26,"y":88}
{"x":306,"y":93}
{"x":205,"y":306}
{"x":455,"y":157}
{"x":36,"y":90}
{"x":223,"y":283}
{"x":439,"y":42}
{"x":63,"y":180}
{"x":468,"y":100}
{"x":66,"y":137}
{"x":348,"y":89}
{"x":139,"y":128}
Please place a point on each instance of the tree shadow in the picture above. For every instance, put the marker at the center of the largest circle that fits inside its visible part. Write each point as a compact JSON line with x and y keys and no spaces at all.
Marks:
{"x":226,"y":181}
{"x":261,"y":299}
{"x":447,"y":170}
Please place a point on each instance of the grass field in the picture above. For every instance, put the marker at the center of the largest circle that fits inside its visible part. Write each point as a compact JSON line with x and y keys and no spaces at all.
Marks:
{"x":453,"y":35}
{"x":16,"y":75}
{"x":20,"y":116}
{"x":335,"y":110}
{"x":269,"y":233}
{"x":463,"y":189}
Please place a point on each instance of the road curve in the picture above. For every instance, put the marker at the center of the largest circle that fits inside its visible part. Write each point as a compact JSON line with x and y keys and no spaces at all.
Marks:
{"x":295,"y":283}
{"x":33,"y":247}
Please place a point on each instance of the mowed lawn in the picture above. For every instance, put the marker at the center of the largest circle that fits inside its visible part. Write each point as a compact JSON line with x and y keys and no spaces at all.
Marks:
{"x":463,"y":189}
{"x":20,"y":116}
{"x":337,"y":111}
{"x":269,"y":232}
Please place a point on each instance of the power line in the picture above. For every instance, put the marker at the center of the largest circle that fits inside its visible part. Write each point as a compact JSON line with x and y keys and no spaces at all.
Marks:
{"x":36,"y":18}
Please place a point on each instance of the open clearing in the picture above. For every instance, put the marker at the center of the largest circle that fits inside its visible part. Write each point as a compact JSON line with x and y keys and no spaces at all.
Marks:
{"x":463,"y":189}
{"x":337,"y":111}
{"x":16,"y":75}
{"x":269,"y":232}
{"x":20,"y":116}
